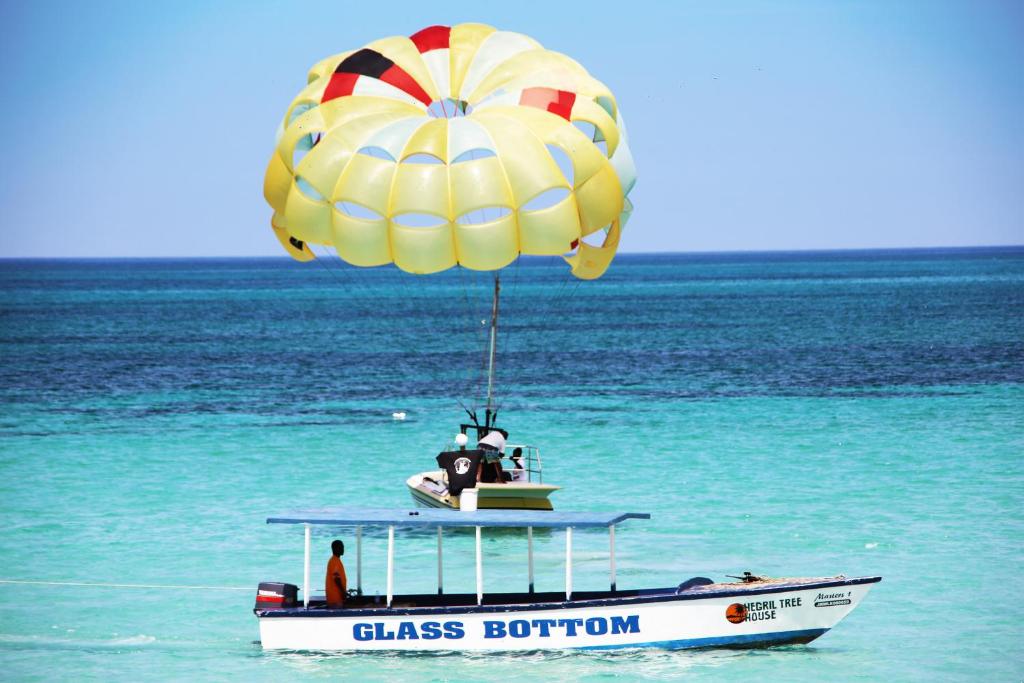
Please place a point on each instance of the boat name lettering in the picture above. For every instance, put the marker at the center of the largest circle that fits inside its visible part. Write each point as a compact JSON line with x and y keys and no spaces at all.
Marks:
{"x":762,"y":610}
{"x":832,"y":599}
{"x":759,"y":610}
{"x":408,"y":630}
{"x":594,"y":626}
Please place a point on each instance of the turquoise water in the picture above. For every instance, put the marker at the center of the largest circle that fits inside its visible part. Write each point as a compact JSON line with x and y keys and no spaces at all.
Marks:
{"x":787,"y":414}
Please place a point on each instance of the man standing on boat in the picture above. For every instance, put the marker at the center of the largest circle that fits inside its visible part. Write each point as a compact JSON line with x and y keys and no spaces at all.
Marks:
{"x":493,"y":447}
{"x":336,"y":583}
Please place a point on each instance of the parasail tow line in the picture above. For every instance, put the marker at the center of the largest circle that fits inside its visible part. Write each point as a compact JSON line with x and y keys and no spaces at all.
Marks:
{"x":122,"y":585}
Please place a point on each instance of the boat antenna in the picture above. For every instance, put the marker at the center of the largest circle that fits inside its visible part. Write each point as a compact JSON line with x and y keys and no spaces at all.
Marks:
{"x":471,"y":413}
{"x":491,"y":415}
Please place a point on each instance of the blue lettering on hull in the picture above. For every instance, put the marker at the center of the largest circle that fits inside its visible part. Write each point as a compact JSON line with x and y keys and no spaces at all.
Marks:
{"x":545,"y":628}
{"x":408,"y":630}
{"x":516,"y":628}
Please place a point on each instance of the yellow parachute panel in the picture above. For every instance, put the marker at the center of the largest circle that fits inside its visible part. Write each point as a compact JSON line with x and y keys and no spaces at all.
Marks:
{"x":488,"y":246}
{"x":360,"y":241}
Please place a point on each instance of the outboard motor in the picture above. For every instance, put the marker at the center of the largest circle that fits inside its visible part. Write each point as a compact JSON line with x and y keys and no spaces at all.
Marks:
{"x":461,"y":468}
{"x":272,"y":595}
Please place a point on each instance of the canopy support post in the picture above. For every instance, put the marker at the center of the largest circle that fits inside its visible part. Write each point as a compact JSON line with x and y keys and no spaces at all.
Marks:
{"x":611,"y":543}
{"x":391,"y":563}
{"x":479,"y":570}
{"x":440,"y":572}
{"x":529,"y":554}
{"x":359,"y":560}
{"x":305,"y":572}
{"x":568,"y":563}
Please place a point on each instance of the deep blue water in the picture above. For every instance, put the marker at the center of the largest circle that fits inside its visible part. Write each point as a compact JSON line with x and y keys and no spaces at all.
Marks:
{"x":788,"y":413}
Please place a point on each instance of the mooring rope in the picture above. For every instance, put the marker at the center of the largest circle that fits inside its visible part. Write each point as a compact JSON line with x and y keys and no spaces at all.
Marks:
{"x":123,"y":585}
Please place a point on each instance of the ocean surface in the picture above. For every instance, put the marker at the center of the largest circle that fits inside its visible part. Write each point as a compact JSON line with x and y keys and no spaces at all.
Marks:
{"x":787,"y":414}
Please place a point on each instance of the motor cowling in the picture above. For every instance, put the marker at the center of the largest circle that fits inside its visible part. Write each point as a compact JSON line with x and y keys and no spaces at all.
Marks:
{"x":272,"y":595}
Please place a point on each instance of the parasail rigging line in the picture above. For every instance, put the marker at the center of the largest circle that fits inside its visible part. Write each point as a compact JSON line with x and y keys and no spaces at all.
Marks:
{"x":482,"y":337}
{"x":509,"y":374}
{"x":490,"y":410}
{"x":507,"y":383}
{"x":348,"y":282}
{"x":490,"y":413}
{"x":553,"y":300}
{"x":345,"y":280}
{"x":95,"y":584}
{"x":483,"y":360}
{"x":465,"y":297}
{"x":352,"y":283}
{"x":323,"y":264}
{"x":556,"y":300}
{"x":474,"y":376}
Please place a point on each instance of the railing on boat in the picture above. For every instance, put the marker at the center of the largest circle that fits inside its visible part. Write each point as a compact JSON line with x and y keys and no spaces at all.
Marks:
{"x":531,"y":461}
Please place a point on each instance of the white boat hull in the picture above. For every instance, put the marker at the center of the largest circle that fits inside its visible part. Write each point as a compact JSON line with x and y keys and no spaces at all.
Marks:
{"x":721,"y":615}
{"x":428,"y":490}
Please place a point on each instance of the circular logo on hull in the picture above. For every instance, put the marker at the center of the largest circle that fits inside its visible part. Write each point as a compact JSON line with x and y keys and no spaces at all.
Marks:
{"x":736,"y":613}
{"x":462,"y":465}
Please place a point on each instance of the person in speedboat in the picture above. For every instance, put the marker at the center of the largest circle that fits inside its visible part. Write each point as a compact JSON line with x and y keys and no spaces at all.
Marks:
{"x":493,"y":447}
{"x":518,"y":469}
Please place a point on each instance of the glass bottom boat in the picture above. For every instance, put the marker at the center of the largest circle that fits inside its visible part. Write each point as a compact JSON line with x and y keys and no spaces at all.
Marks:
{"x":753,"y":612}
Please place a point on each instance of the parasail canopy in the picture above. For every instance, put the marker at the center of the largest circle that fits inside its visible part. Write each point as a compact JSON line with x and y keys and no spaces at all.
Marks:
{"x":459,"y":145}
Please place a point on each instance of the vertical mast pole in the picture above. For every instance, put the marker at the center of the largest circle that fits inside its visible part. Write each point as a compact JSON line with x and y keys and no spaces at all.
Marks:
{"x":305,"y":572}
{"x":529,"y":554}
{"x":479,"y":570}
{"x":611,"y":553}
{"x":494,"y":339}
{"x":440,"y":566}
{"x":391,"y":563}
{"x":568,"y":563}
{"x":359,"y":560}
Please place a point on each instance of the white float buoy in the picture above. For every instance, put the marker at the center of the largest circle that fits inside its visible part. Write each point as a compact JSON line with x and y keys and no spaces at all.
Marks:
{"x":400,"y":415}
{"x":461,"y":439}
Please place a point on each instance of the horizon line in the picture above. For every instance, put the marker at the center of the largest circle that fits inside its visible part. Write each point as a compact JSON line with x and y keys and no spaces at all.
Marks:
{"x":703,"y":252}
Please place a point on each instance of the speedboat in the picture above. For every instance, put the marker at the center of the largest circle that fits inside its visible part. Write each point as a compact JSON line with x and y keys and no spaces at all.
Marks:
{"x":430,"y":490}
{"x":698,"y":613}
{"x":518,"y":484}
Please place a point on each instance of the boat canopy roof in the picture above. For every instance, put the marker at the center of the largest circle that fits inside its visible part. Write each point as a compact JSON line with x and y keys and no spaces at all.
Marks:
{"x":429,"y":518}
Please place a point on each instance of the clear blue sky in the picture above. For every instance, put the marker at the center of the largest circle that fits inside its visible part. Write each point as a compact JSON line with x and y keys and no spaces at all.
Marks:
{"x":138,"y":130}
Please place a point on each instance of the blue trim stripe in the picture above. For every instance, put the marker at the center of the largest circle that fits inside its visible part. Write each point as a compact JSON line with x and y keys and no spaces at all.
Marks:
{"x":750,"y":640}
